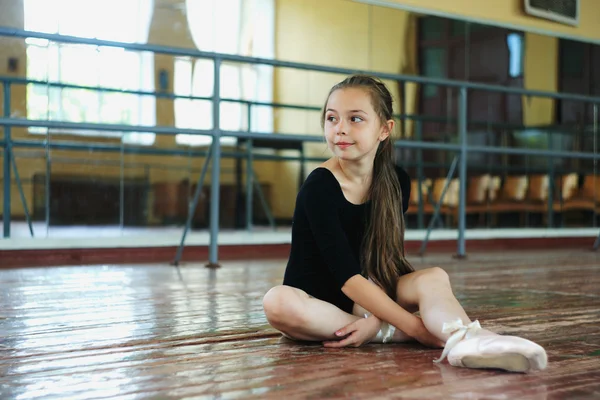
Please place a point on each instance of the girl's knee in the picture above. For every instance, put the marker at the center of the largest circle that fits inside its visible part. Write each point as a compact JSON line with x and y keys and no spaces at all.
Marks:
{"x":431,"y":276}
{"x":283,"y":307}
{"x":438,"y":274}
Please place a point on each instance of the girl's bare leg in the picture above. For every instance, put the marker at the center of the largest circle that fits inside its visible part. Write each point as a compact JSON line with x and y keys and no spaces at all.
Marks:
{"x":299,"y":316}
{"x":471,"y":347}
{"x":430,"y":291}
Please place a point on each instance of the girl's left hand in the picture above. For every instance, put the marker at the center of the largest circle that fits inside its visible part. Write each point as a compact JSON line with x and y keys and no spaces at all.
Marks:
{"x":357,"y":333}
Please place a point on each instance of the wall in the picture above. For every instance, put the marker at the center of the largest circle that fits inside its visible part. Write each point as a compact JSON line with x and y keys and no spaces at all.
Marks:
{"x":341,"y":33}
{"x":541,"y":59}
{"x":508,"y":12}
{"x":541,"y":73}
{"x":12,"y":16}
{"x":361,"y":36}
{"x":338,"y":33}
{"x":169,"y":27}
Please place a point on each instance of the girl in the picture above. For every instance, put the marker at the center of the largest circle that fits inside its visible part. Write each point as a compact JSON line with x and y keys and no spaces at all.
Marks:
{"x":347,"y":281}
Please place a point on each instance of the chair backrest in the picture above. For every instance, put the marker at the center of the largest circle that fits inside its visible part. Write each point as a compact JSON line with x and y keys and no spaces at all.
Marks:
{"x":591,"y":187}
{"x":478,"y":189}
{"x":414,"y":191}
{"x":515,"y":188}
{"x":451,"y":196}
{"x":538,"y":187}
{"x":568,"y":186}
{"x":494,"y":187}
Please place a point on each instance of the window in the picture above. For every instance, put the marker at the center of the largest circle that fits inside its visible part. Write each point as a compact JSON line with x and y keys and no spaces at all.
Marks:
{"x":572,"y":58}
{"x":516,"y":54}
{"x":244,"y":27}
{"x":89,"y":65}
{"x":434,"y":66}
{"x":432,"y":28}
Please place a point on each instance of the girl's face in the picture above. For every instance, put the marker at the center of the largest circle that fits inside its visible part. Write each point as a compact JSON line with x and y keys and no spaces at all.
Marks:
{"x":353,"y":129}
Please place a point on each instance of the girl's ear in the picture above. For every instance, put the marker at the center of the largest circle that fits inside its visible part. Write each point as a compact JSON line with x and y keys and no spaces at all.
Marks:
{"x":386,"y":130}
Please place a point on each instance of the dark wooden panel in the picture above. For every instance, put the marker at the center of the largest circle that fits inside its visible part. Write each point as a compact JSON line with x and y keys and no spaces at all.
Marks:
{"x":90,"y":200}
{"x":579,"y":73}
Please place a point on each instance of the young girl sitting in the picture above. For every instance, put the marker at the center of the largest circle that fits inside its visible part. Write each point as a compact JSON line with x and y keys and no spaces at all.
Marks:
{"x":347,"y":281}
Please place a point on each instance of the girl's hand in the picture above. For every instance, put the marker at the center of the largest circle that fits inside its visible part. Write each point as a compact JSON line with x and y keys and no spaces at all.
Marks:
{"x":357,"y":333}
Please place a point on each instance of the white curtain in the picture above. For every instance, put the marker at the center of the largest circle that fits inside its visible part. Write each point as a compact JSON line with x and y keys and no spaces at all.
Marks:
{"x":244,"y":27}
{"x":117,"y":20}
{"x":142,"y":19}
{"x":259,"y":35}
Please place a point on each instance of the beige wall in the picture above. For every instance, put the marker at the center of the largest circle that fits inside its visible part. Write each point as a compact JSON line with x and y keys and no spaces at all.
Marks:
{"x":337,"y":33}
{"x":541,"y":73}
{"x":510,"y":12}
{"x":340,"y":33}
{"x":169,"y":27}
{"x":12,"y":16}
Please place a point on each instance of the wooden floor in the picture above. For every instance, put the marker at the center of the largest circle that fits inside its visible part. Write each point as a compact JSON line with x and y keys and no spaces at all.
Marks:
{"x":153,"y":331}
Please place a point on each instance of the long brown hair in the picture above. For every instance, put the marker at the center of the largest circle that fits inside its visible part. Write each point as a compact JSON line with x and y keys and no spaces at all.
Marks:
{"x":383,"y":256}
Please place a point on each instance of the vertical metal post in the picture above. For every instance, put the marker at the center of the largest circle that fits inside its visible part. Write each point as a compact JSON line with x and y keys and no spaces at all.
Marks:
{"x":263,"y":201}
{"x":7,"y":156}
{"x":192,"y":208}
{"x":462,"y":170}
{"x":436,"y":211}
{"x":249,"y":177}
{"x":551,"y":183}
{"x":249,"y":185}
{"x":420,"y":216}
{"x":48,"y":172}
{"x":302,"y":172}
{"x":213,"y":252}
{"x":22,"y":194}
{"x":122,"y":187}
{"x":403,"y":108}
{"x":595,"y":133}
{"x":595,"y":164}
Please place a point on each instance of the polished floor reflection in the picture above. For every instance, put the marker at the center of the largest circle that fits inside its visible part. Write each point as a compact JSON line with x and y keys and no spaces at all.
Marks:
{"x":153,"y":331}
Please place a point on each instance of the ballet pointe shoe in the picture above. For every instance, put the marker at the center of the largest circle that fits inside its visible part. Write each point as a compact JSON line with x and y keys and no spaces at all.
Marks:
{"x":468,"y":348}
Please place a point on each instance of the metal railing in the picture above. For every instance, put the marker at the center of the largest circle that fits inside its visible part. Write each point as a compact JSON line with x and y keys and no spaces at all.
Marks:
{"x":214,"y":155}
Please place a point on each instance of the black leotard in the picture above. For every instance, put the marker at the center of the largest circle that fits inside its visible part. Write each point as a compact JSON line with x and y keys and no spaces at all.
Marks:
{"x":327,"y":234}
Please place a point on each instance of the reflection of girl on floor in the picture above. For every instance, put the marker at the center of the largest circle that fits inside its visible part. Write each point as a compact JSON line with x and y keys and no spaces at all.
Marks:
{"x":347,"y":281}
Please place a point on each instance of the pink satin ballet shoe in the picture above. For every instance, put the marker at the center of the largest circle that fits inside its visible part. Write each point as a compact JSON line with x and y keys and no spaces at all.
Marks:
{"x":469,"y":348}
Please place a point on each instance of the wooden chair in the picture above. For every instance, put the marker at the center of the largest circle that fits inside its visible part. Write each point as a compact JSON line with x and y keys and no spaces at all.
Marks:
{"x":565,"y":187}
{"x":494,"y":188}
{"x":449,"y":204}
{"x":569,"y":186}
{"x":432,"y":192}
{"x":413,"y":208}
{"x":511,"y":197}
{"x":450,"y":198}
{"x":586,"y":198}
{"x":536,"y":198}
{"x":477,"y":197}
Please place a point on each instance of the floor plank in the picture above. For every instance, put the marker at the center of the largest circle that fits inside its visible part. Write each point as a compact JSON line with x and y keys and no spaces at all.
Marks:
{"x":155,"y":331}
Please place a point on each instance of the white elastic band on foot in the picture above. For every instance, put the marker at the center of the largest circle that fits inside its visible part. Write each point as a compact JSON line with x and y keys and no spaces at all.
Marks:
{"x":460,"y":331}
{"x":385,"y":334}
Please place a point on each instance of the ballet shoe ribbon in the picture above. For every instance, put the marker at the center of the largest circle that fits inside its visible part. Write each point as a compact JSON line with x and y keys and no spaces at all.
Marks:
{"x":460,"y":331}
{"x":385,"y":334}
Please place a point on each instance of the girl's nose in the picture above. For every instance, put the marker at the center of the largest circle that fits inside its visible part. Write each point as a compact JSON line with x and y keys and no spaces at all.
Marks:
{"x":341,"y":127}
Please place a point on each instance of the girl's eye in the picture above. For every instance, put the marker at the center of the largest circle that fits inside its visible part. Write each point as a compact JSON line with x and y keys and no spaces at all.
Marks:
{"x":356,"y":119}
{"x":331,"y":118}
